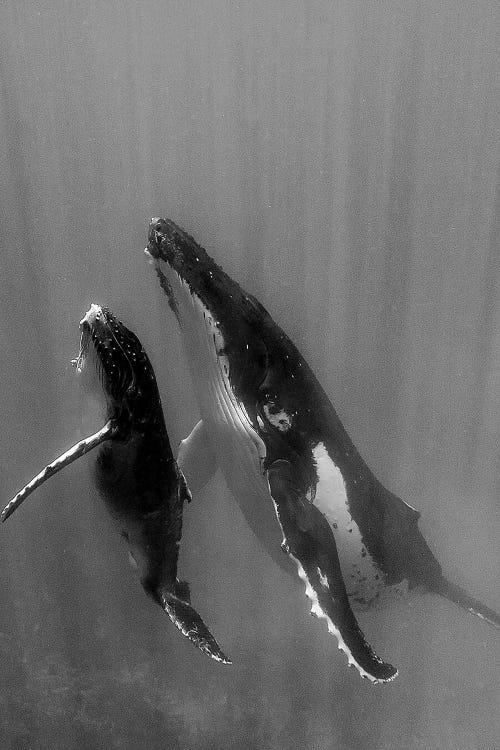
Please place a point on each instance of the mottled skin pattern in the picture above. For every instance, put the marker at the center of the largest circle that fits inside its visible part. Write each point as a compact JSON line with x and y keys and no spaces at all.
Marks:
{"x":135,"y":471}
{"x":290,"y":413}
{"x":138,"y":476}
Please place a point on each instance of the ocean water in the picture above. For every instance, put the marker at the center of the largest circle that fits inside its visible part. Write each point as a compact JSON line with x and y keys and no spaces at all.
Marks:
{"x":340,"y":160}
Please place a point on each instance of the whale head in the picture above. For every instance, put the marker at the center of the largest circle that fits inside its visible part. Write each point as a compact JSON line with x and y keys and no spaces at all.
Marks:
{"x":123,"y":368}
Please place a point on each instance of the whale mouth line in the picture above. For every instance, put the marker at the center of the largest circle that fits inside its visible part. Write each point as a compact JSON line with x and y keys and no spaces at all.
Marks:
{"x":114,"y":356}
{"x":85,"y":339}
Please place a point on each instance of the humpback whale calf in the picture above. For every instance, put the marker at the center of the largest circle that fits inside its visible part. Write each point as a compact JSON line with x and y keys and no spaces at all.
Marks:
{"x":135,"y":471}
{"x":268,"y":424}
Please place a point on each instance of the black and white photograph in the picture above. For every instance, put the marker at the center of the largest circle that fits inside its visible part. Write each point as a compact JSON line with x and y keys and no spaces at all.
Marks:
{"x":250,"y":375}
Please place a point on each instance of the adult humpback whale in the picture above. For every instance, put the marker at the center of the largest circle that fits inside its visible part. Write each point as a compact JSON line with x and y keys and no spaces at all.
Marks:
{"x":268,"y":424}
{"x":135,"y":471}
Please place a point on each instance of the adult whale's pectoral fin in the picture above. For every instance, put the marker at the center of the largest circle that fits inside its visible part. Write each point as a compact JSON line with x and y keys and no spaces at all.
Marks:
{"x":189,"y":622}
{"x":196,"y":459}
{"x":309,"y":540}
{"x":76,"y":451}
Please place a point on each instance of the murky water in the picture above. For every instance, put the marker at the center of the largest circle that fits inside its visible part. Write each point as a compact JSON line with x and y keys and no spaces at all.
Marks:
{"x":340,"y":160}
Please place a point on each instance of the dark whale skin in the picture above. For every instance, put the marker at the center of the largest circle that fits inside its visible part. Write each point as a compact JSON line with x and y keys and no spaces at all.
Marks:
{"x":137,"y":475}
{"x":135,"y":471}
{"x":328,"y":502}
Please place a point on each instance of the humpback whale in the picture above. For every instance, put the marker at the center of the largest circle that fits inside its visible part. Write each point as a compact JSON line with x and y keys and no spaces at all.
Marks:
{"x":135,"y":471}
{"x":286,"y":456}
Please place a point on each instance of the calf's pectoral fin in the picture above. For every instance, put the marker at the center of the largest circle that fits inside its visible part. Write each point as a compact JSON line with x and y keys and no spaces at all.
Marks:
{"x":309,"y":540}
{"x":196,"y":458}
{"x":189,"y":622}
{"x":76,"y":451}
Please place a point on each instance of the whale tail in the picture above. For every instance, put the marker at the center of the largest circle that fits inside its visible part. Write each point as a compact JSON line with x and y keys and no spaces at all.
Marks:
{"x":189,"y":622}
{"x":458,"y":596}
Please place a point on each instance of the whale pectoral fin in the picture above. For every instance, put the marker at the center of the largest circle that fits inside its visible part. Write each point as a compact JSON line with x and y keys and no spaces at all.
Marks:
{"x":196,"y":459}
{"x":76,"y":451}
{"x":189,"y":622}
{"x":184,"y":491}
{"x":309,"y":540}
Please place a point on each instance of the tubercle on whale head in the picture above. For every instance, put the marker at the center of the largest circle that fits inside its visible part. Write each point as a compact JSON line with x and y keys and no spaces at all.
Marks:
{"x":126,"y":375}
{"x":233,"y":311}
{"x":170,"y":243}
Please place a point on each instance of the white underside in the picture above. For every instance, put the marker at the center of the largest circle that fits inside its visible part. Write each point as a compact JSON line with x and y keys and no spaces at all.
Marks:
{"x":238,"y":447}
{"x":240,"y":452}
{"x":332,"y":628}
{"x":363,"y":579}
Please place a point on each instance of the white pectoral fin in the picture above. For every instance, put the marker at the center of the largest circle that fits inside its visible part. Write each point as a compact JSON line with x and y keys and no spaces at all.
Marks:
{"x":309,"y":540}
{"x":196,"y":458}
{"x":75,"y":452}
{"x":189,"y":622}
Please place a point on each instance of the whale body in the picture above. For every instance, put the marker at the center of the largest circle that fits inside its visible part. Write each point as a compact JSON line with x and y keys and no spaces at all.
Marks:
{"x":135,"y":471}
{"x":286,"y":457}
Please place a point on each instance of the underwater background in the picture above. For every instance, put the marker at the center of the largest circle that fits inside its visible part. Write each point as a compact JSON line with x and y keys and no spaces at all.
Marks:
{"x":341,"y":161}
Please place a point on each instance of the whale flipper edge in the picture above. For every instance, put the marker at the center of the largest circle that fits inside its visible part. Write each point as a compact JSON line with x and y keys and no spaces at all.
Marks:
{"x":72,"y":454}
{"x":309,"y":540}
{"x":135,"y":472}
{"x":189,"y":622}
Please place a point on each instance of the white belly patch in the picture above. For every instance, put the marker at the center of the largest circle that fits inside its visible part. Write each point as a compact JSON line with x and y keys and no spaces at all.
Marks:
{"x":234,"y":434}
{"x":243,"y":452}
{"x":363,"y":579}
